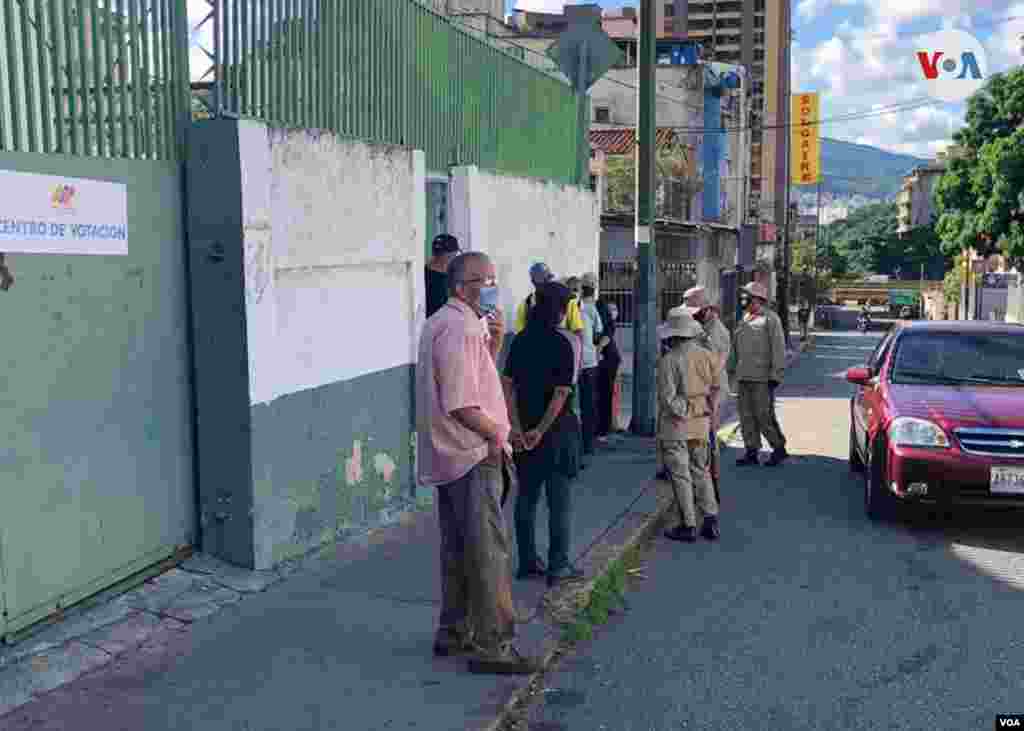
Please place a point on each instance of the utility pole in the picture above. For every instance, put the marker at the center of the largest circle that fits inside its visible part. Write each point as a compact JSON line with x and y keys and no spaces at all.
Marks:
{"x":817,"y":245}
{"x":784,"y":279}
{"x":645,"y":340}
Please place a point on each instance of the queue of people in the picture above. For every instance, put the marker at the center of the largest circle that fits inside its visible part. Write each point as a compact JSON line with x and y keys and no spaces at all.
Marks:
{"x":484,"y":435}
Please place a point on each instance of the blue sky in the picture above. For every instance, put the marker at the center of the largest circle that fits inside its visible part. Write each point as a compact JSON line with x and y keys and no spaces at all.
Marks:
{"x":859,"y":55}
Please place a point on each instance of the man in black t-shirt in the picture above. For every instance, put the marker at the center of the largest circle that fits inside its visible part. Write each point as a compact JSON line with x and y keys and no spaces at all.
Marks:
{"x":538,"y":380}
{"x":445,"y":248}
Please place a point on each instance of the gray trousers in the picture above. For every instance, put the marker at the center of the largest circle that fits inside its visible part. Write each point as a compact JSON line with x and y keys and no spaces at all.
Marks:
{"x":476,"y":588}
{"x":687,"y":463}
{"x":756,"y":403}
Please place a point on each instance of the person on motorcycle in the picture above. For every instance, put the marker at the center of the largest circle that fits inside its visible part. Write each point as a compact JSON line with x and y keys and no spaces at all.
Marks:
{"x":864,"y":321}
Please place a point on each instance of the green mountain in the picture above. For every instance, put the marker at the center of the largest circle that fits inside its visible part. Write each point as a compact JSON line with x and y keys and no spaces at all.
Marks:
{"x":850,"y":169}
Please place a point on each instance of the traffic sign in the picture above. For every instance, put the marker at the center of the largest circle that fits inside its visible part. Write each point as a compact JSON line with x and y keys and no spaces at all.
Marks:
{"x":584,"y":52}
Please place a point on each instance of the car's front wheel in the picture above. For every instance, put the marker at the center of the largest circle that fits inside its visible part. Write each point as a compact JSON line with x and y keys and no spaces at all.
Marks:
{"x":879,"y":503}
{"x":856,"y":463}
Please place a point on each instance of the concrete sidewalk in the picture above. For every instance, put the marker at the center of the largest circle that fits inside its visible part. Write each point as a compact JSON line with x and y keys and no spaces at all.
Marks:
{"x":340,"y":640}
{"x":343,"y":642}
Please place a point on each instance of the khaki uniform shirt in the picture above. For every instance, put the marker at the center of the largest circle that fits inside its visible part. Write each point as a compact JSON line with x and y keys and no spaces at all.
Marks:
{"x":720,"y":343}
{"x":687,"y":376}
{"x":760,"y":348}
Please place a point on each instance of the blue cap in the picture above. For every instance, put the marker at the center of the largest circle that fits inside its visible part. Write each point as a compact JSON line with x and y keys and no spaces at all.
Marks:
{"x":539,"y":273}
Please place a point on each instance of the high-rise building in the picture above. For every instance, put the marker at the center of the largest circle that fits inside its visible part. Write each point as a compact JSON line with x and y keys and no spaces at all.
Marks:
{"x":754,"y":34}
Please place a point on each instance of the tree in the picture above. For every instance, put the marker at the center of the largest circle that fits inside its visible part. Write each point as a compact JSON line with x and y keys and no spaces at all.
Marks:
{"x":867,"y":242}
{"x":980,"y":197}
{"x":674,"y":181}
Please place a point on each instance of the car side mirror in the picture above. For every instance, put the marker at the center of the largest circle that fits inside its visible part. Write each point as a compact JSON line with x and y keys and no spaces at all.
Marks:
{"x":858,"y":376}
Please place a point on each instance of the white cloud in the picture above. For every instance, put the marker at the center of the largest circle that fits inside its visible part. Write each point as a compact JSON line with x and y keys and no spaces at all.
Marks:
{"x":1003,"y":46}
{"x":810,"y":9}
{"x":541,"y":6}
{"x":903,"y":11}
{"x":873,"y":69}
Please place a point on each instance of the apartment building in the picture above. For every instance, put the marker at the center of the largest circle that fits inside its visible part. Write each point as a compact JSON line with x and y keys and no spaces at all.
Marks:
{"x":914,"y":203}
{"x":754,"y":34}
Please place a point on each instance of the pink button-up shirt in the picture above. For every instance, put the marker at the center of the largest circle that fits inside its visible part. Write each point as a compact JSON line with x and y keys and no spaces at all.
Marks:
{"x":455,"y":371}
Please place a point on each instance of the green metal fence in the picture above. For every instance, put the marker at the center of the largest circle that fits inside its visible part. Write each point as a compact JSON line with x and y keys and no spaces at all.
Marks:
{"x":84,"y":77}
{"x":395,"y":72}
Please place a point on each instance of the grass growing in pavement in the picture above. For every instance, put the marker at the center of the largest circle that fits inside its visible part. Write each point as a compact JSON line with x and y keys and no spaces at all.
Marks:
{"x":607,"y":594}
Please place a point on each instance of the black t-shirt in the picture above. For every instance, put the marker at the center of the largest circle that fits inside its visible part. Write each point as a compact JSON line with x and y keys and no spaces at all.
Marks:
{"x":611,"y":355}
{"x":539,"y":360}
{"x":437,"y":290}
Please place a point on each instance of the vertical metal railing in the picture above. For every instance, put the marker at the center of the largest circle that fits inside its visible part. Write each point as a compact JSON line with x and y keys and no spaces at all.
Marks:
{"x":386,"y":71}
{"x":100,"y":78}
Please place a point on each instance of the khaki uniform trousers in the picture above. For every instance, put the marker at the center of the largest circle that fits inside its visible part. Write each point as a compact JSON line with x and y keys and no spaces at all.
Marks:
{"x":756,"y":404}
{"x":687,"y":464}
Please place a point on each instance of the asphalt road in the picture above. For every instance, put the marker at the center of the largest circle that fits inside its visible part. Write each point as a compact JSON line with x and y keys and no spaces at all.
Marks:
{"x":806,"y":615}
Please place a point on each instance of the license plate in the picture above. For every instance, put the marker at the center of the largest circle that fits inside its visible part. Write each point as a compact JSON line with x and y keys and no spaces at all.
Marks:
{"x":1007,"y":481}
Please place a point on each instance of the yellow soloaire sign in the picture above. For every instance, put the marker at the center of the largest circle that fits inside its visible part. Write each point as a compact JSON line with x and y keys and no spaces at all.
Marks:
{"x":805,"y":140}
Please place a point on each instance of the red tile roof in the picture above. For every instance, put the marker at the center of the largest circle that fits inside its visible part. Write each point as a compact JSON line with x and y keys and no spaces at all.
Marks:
{"x":622,"y":141}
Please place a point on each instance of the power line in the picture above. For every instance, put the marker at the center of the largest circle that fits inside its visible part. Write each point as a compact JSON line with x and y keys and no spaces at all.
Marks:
{"x":908,"y":106}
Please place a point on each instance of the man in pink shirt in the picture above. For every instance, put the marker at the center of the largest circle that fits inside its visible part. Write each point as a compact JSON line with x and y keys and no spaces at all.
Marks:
{"x":462,"y":442}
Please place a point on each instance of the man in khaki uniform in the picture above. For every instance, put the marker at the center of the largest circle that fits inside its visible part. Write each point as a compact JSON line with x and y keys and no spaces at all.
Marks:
{"x":718,"y":341}
{"x":689,"y":378}
{"x":760,"y":363}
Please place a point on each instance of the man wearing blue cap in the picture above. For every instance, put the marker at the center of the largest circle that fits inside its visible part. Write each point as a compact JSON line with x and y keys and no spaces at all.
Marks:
{"x":540,"y":274}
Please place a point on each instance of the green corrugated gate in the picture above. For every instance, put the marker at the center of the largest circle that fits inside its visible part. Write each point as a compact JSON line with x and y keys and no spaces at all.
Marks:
{"x":96,"y":479}
{"x":97,"y":454}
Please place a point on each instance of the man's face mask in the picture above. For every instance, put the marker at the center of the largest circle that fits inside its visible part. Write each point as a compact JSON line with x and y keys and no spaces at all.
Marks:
{"x":489,"y":298}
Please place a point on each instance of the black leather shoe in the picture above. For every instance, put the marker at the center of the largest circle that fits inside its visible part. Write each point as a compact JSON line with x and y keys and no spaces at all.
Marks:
{"x":710,"y":529}
{"x":570,"y":573}
{"x":537,"y":569}
{"x":748,"y":460}
{"x":778,"y":457}
{"x":682,"y":533}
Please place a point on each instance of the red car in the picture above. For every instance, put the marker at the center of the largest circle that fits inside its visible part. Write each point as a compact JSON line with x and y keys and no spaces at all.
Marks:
{"x":938,"y":417}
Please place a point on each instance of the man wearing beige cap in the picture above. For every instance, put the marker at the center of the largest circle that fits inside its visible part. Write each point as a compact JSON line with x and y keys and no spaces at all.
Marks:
{"x":760,"y":363}
{"x":718,"y":341}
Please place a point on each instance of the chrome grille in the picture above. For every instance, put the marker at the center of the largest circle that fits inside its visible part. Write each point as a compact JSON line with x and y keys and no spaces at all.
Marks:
{"x":992,"y":442}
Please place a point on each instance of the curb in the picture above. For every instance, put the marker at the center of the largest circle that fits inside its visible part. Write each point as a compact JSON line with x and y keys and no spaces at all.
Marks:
{"x":644,"y":532}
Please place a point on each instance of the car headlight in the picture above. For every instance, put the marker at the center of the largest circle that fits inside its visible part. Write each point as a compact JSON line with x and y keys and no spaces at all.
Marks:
{"x":906,"y":431}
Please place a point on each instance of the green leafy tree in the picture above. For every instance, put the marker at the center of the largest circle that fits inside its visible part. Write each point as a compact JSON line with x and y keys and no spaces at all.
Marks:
{"x":671,"y":173}
{"x":867,"y":243}
{"x":980,"y":198}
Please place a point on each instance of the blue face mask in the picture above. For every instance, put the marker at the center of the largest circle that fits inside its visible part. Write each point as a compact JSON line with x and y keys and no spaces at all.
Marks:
{"x":489,"y":299}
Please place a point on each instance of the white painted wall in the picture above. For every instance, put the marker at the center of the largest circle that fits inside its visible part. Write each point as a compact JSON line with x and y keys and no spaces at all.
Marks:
{"x":334,"y":257}
{"x":518,"y":221}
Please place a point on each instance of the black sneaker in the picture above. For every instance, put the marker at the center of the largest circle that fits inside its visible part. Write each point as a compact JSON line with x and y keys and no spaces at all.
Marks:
{"x":682,"y":533}
{"x":537,"y":569}
{"x":504,"y":661}
{"x":748,"y":460}
{"x":710,"y":529}
{"x":570,"y":573}
{"x":778,"y":457}
{"x":449,"y":642}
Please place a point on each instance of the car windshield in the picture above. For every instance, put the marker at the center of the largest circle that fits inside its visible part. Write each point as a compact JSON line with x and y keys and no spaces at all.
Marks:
{"x":955,"y":358}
